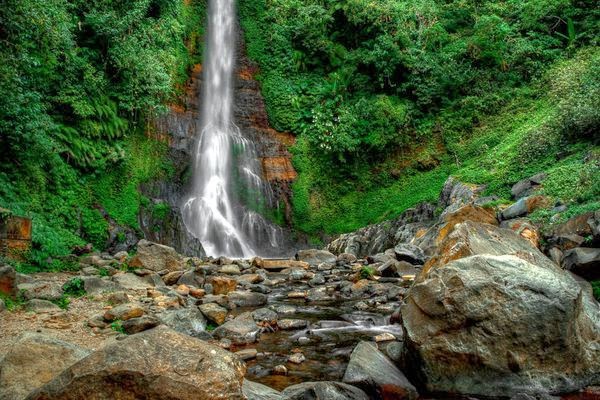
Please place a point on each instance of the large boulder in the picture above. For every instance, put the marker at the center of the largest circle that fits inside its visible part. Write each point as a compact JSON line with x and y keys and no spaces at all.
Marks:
{"x":456,"y":194}
{"x":156,"y":364}
{"x":41,"y":290}
{"x":315,"y":257}
{"x":131,"y":281}
{"x":500,"y":325}
{"x":33,"y":361}
{"x":431,"y":240}
{"x":323,"y":391}
{"x":156,"y":257}
{"x":584,"y":225}
{"x":527,"y":186}
{"x":583,"y":261}
{"x":471,"y":238}
{"x":409,"y":253}
{"x":373,"y":372}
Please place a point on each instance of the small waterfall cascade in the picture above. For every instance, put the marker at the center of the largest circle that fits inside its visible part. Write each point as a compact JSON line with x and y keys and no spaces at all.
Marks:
{"x":228,"y":194}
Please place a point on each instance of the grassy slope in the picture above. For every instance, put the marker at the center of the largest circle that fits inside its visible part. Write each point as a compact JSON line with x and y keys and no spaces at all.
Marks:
{"x":523,"y":139}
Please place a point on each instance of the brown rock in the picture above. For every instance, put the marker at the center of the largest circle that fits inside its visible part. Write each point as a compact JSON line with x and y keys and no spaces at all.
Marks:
{"x":172,"y":277}
{"x":471,"y":238}
{"x":182,"y":290}
{"x":156,"y":257}
{"x":492,"y":325}
{"x":123,"y":312}
{"x":197,"y":293}
{"x":140,"y":324}
{"x":33,"y":361}
{"x":525,"y":229}
{"x":155,"y":364}
{"x":214,"y":312}
{"x":278,"y":265}
{"x":223,"y":285}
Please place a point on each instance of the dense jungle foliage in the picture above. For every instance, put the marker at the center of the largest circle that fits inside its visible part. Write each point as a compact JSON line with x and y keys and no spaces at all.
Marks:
{"x":387,"y":98}
{"x":78,"y":81}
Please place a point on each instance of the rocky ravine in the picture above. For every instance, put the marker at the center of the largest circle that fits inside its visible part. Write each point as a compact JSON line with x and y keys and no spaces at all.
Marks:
{"x":459,"y":303}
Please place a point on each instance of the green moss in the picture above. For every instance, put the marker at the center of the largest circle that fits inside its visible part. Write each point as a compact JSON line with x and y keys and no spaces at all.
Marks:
{"x":366,"y":272}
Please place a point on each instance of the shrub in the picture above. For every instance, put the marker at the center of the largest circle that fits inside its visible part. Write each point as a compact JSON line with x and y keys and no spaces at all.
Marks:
{"x":74,"y":287}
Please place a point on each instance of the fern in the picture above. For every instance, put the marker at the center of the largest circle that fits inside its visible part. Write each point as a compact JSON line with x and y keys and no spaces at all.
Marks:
{"x":93,"y":140}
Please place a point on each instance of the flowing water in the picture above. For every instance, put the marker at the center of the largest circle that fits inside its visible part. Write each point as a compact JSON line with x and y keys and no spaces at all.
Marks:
{"x":229,"y":196}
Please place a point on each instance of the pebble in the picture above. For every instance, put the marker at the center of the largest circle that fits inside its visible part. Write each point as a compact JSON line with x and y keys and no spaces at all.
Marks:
{"x":182,"y":290}
{"x":297,"y":358}
{"x":290,"y":324}
{"x":197,"y":293}
{"x":384,"y":337}
{"x":303,"y":340}
{"x":297,"y":295}
{"x":280,"y":370}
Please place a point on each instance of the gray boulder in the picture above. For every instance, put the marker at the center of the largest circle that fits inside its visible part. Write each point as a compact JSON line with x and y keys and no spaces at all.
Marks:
{"x":583,"y":261}
{"x":41,"y":290}
{"x":156,"y":364}
{"x":132,"y":282}
{"x":189,"y":321}
{"x":97,"y":285}
{"x":315,"y":257}
{"x":527,"y":186}
{"x":456,"y":194}
{"x":42,"y":306}
{"x":373,"y":372}
{"x":323,"y":391}
{"x":247,"y":299}
{"x":377,"y":238}
{"x":516,"y":210}
{"x":410,"y":253}
{"x":500,"y":325}
{"x":156,"y":257}
{"x":257,"y":391}
{"x":241,"y":330}
{"x":33,"y":361}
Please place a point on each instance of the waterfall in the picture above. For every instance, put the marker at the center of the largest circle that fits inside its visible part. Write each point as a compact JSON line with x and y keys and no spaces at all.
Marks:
{"x":228,"y":192}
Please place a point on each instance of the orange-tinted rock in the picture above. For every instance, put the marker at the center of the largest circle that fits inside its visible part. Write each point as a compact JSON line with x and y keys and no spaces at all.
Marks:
{"x":525,"y":229}
{"x":437,"y":234}
{"x":473,"y":238}
{"x":223,"y":285}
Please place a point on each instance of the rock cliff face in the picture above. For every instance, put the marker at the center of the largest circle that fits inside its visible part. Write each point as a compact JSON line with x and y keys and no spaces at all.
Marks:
{"x":272,"y":146}
{"x":178,"y":128}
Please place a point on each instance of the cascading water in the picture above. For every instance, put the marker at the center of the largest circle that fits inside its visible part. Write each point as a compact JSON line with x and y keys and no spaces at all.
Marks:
{"x":227,"y":191}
